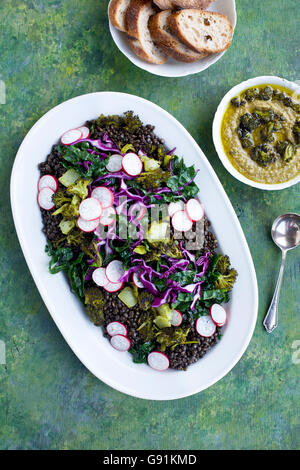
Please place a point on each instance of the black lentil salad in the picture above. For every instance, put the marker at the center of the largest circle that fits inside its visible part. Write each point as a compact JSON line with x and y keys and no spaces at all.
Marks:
{"x":119,"y":211}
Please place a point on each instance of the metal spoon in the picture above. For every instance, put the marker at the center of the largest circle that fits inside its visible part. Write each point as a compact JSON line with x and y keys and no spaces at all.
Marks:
{"x":286,"y":234}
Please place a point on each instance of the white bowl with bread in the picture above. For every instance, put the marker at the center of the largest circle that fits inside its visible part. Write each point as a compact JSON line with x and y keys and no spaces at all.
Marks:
{"x":172,"y":38}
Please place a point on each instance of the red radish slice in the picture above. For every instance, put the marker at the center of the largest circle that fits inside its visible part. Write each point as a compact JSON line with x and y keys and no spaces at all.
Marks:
{"x":114,"y":271}
{"x":45,"y":199}
{"x":87,"y":225}
{"x":158,"y":361}
{"x":116,"y":328}
{"x":108,"y":216}
{"x":176,"y":318}
{"x":181,"y":222}
{"x":205,"y":326}
{"x":71,"y":136}
{"x":136,"y":281}
{"x":137,"y":211}
{"x":113,"y":286}
{"x":194,"y":210}
{"x":132,"y":164}
{"x":104,"y":195}
{"x":114,"y":163}
{"x":99,"y":277}
{"x":218,"y":314}
{"x":175,"y":207}
{"x":85,"y":132}
{"x":48,"y":181}
{"x":90,"y":209}
{"x":120,"y":342}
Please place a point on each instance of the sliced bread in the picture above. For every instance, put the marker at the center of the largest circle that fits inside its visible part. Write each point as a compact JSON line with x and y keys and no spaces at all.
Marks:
{"x":117,"y":13}
{"x":202,"y":4}
{"x":164,"y":4}
{"x":137,"y":19}
{"x":168,"y":42}
{"x":202,"y":31}
{"x":169,"y":4}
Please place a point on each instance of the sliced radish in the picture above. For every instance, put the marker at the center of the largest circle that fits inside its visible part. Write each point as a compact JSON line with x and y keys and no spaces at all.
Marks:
{"x":48,"y":181}
{"x":114,"y":271}
{"x":45,"y":199}
{"x":158,"y":361}
{"x":87,"y":225}
{"x":175,"y":207}
{"x":116,"y":328}
{"x":137,"y":211}
{"x":132,"y":164}
{"x":71,"y":136}
{"x":99,"y":277}
{"x":181,"y":222}
{"x":90,"y":209}
{"x":120,"y":342}
{"x":113,"y":286}
{"x":194,"y":210}
{"x":108,"y":216}
{"x":176,"y":318}
{"x":114,"y":163}
{"x":136,"y":281}
{"x":104,"y":195}
{"x":218,"y":314}
{"x":205,"y":326}
{"x":85,"y":132}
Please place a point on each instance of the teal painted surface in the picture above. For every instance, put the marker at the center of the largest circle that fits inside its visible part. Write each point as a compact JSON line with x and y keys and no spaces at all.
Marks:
{"x":52,"y":50}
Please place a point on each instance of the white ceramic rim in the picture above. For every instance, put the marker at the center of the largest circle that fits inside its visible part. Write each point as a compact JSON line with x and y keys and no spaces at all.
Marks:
{"x":216,"y":129}
{"x":43,"y":290}
{"x":163,"y":70}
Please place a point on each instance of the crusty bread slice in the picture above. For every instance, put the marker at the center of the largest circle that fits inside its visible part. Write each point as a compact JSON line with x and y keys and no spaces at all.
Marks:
{"x":169,"y":4}
{"x":202,"y":4}
{"x":202,"y":31}
{"x":137,"y":19}
{"x":168,"y":42}
{"x":117,"y":13}
{"x":164,"y":4}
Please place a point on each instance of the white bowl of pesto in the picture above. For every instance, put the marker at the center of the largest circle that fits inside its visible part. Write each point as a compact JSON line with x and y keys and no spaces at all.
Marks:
{"x":262,"y":151}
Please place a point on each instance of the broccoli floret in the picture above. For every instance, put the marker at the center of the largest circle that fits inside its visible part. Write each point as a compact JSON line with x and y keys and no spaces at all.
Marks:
{"x":226,"y":281}
{"x":145,"y":300}
{"x":60,"y":198}
{"x":223,"y":264}
{"x":225,"y":276}
{"x":153,"y":179}
{"x":80,"y":188}
{"x":94,"y":299}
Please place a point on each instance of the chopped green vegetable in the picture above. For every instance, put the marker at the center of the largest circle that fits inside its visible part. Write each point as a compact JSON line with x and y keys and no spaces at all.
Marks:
{"x":141,"y":351}
{"x":158,"y":231}
{"x":163,"y":319}
{"x":66,"y":226}
{"x":69,"y":177}
{"x":150,"y":164}
{"x":127,"y":297}
{"x":80,"y":188}
{"x":94,"y":299}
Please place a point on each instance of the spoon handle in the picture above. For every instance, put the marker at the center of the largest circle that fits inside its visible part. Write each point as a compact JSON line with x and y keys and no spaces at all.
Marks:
{"x":271,"y":319}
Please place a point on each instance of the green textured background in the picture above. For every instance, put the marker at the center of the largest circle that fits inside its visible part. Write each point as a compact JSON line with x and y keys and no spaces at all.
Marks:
{"x":52,"y":50}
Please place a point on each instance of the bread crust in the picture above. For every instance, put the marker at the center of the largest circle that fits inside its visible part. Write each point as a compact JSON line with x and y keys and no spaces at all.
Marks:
{"x":137,"y":48}
{"x":112,"y":13}
{"x":173,"y":23}
{"x":201,"y":4}
{"x":132,"y":16}
{"x":171,"y":45}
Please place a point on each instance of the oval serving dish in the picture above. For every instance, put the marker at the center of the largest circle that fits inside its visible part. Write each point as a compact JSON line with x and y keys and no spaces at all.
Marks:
{"x":112,"y":367}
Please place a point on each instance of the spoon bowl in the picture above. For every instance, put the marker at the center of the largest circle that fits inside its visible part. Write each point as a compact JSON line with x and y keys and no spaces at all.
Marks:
{"x":286,"y":231}
{"x":286,"y":234}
